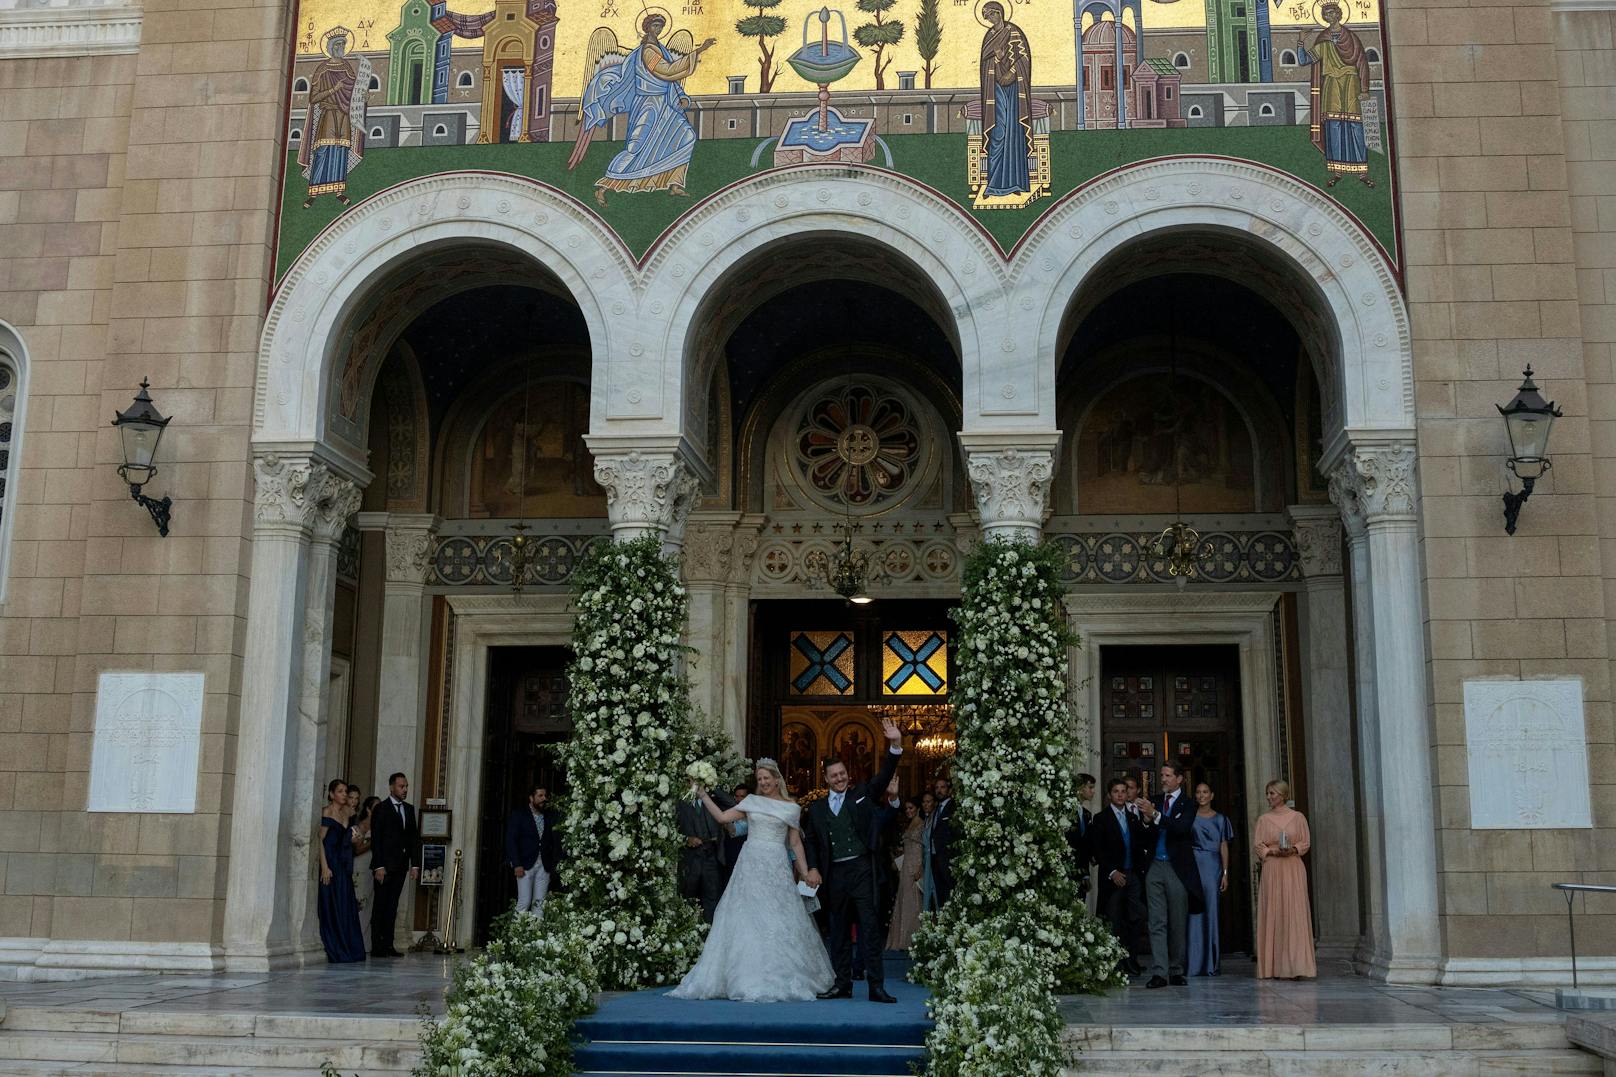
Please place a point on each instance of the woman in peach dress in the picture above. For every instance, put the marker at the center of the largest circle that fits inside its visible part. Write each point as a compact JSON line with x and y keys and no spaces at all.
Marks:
{"x":1284,"y":922}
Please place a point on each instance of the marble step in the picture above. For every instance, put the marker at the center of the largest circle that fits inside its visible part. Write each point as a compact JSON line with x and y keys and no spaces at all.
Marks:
{"x":124,"y":1069}
{"x":1333,"y":1063}
{"x":121,"y":1051}
{"x":1206,"y":1039}
{"x":179,"y":1023}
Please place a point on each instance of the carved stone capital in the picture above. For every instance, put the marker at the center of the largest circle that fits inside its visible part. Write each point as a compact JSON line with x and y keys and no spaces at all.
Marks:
{"x":646,"y":493}
{"x":288,"y":491}
{"x":708,"y":550}
{"x":1012,"y":490}
{"x":1377,"y":481}
{"x":409,"y":548}
{"x":338,"y":501}
{"x":1317,"y":533}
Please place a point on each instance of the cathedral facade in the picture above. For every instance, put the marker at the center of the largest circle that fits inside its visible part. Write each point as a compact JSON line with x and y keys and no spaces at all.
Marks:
{"x":434,"y":299}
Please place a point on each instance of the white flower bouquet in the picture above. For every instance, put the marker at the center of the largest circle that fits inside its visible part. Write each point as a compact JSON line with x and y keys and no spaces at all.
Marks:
{"x":702,"y":775}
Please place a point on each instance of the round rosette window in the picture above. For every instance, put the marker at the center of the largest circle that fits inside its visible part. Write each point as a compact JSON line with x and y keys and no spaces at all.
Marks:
{"x":863,"y":448}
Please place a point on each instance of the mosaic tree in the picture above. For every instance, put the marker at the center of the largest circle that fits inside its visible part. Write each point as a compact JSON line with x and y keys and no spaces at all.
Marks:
{"x":763,"y":26}
{"x":878,"y":36}
{"x":928,"y":38}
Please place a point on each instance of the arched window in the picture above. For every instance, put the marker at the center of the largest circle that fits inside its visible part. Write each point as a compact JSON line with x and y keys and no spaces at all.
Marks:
{"x":375,"y":83}
{"x":13,"y":373}
{"x":377,"y":132}
{"x":297,"y":135}
{"x":463,"y":81}
{"x":1372,"y":55}
{"x":1287,"y":58}
{"x":1181,"y":60}
{"x":440,"y":131}
{"x":300,"y":86}
{"x":1266,"y":110}
{"x":1195,"y":112}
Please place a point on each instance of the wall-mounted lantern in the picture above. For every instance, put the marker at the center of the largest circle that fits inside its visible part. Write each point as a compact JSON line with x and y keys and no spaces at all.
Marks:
{"x":142,"y":426}
{"x":1527,"y":419}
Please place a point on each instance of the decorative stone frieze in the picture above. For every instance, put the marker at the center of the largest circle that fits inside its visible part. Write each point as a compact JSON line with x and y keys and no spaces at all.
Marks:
{"x":81,"y":30}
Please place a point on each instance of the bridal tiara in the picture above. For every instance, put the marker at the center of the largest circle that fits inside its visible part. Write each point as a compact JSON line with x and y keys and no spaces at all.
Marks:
{"x":765,"y":761}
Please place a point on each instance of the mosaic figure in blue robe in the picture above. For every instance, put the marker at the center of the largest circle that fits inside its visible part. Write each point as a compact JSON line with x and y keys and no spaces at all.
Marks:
{"x":333,"y":141}
{"x":647,"y":85}
{"x":1006,"y":77}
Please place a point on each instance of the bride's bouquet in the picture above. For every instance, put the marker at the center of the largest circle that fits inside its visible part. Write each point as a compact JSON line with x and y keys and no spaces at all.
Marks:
{"x":702,"y":775}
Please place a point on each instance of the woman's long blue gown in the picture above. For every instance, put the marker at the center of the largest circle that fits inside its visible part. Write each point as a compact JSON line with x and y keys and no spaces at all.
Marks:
{"x":339,"y":907}
{"x":1204,"y":957}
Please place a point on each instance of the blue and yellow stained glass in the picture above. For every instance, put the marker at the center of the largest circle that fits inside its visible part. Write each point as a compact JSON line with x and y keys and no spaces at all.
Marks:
{"x":822,"y":663}
{"x":914,"y":664}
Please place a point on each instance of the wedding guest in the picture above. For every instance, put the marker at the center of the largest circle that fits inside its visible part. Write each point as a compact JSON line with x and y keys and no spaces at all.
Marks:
{"x":911,"y":867}
{"x":889,"y":821}
{"x":533,"y":849}
{"x":1079,"y":838}
{"x":928,"y":889}
{"x":1172,"y":886}
{"x":1284,"y":921}
{"x":338,"y":908}
{"x":702,"y":859}
{"x":942,"y":841}
{"x":395,"y":855}
{"x":735,"y":834}
{"x":1213,"y":832}
{"x":1121,"y":852}
{"x":364,"y":881}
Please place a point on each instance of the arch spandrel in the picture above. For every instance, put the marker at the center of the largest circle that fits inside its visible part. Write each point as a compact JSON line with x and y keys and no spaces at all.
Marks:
{"x":316,"y":304}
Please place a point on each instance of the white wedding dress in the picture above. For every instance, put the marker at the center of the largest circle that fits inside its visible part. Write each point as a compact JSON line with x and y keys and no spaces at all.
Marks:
{"x":763,"y":946}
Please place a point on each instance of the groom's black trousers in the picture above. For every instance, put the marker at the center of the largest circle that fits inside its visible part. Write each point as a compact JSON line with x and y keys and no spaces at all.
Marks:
{"x":849,"y":897}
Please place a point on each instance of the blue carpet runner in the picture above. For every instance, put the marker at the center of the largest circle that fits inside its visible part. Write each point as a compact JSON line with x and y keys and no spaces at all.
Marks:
{"x":647,"y":1034}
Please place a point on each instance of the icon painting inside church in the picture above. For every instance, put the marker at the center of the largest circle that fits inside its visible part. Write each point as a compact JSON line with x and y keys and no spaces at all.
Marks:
{"x":617,"y":100}
{"x":531,"y":459}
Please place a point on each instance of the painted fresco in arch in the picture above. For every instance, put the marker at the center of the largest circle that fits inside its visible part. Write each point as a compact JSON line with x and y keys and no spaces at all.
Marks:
{"x":641,"y":110}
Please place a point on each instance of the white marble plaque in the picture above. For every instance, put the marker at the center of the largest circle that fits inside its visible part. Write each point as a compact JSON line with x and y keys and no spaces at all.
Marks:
{"x":148,"y":736}
{"x":1528,"y":753}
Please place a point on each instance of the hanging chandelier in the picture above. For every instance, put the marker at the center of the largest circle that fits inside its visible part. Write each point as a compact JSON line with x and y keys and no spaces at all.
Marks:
{"x":845,"y":570}
{"x":1179,"y":545}
{"x":521,"y":558}
{"x":929,"y":725}
{"x":936,"y":745}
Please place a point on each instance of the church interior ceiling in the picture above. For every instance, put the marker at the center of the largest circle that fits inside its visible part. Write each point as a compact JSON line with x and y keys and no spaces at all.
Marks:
{"x":641,"y":112}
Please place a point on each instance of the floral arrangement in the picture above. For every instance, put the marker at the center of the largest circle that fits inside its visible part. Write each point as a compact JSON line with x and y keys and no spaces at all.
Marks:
{"x":625,"y":761}
{"x":511,"y":1008}
{"x":1015,"y":914}
{"x":711,"y":745}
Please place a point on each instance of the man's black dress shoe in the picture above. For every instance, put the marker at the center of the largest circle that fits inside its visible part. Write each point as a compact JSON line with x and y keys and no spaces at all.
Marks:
{"x":839,"y":991}
{"x":879,"y":995}
{"x":386,"y":953}
{"x":1156,"y":981}
{"x":1178,"y":981}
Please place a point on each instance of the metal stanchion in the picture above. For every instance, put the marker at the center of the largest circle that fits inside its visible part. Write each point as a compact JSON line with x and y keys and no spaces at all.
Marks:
{"x":451,"y":904}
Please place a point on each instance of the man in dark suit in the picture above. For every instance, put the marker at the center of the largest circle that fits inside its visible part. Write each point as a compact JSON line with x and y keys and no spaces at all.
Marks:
{"x":1080,"y":835}
{"x":1173,"y":886}
{"x":395,"y":854}
{"x":702,"y":860}
{"x":533,"y":849}
{"x":843,"y":842}
{"x":1121,"y":849}
{"x":942,"y":840}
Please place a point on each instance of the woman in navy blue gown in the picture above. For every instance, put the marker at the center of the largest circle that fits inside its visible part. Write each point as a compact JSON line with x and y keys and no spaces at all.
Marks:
{"x":1213,"y":832}
{"x":339,"y":908}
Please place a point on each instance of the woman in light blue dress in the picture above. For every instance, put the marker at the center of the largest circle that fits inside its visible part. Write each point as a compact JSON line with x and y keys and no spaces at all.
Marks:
{"x":928,"y":890}
{"x":1213,"y":832}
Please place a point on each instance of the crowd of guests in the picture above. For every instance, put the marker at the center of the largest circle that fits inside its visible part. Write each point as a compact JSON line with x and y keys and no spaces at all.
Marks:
{"x":367,"y":849}
{"x":1163,"y":867}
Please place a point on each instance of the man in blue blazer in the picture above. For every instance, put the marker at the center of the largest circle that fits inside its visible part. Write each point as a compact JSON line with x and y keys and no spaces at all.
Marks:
{"x":533,"y":849}
{"x":1172,"y":884}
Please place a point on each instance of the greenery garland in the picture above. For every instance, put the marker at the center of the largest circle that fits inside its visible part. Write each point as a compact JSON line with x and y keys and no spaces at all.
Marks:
{"x":1014,"y":931}
{"x":625,"y":761}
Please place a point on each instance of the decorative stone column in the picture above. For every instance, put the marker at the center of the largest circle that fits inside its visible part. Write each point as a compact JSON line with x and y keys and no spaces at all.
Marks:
{"x":268,"y":873}
{"x":311,"y":771}
{"x":1327,"y":719}
{"x":1010,"y":478}
{"x":718,"y":555}
{"x":1375,"y":483}
{"x":648,"y":491}
{"x":401,"y":702}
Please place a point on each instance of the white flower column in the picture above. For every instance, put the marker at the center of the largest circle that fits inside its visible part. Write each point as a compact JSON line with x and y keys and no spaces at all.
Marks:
{"x":267,"y":876}
{"x":1331,"y":796}
{"x":1374,"y":485}
{"x":1010,"y":479}
{"x":649,"y":489}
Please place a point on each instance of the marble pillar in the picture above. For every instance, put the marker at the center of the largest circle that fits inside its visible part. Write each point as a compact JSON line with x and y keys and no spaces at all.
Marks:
{"x":1010,"y":481}
{"x":269,"y":873}
{"x":1332,"y":797}
{"x":1374,"y":484}
{"x":649,"y":491}
{"x":401,"y":704}
{"x":718,"y":551}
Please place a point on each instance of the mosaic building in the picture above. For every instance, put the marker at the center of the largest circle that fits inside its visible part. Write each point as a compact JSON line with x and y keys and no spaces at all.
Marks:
{"x":803,"y":289}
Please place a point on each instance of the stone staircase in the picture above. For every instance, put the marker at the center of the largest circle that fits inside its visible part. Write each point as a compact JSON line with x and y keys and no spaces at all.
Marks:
{"x":88,"y":1043}
{"x":1328,"y":1050}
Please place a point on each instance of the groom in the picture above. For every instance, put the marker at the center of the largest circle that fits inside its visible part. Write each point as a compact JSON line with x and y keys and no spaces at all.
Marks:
{"x":842,"y":846}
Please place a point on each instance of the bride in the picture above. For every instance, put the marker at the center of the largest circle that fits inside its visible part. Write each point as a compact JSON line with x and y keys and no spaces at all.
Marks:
{"x":761,"y":912}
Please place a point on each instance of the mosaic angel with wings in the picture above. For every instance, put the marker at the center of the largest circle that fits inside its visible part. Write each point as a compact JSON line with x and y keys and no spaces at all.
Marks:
{"x":646,"y":83}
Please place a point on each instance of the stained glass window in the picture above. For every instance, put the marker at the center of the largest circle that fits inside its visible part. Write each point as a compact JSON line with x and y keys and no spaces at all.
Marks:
{"x":822,"y":663}
{"x":914,"y":663}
